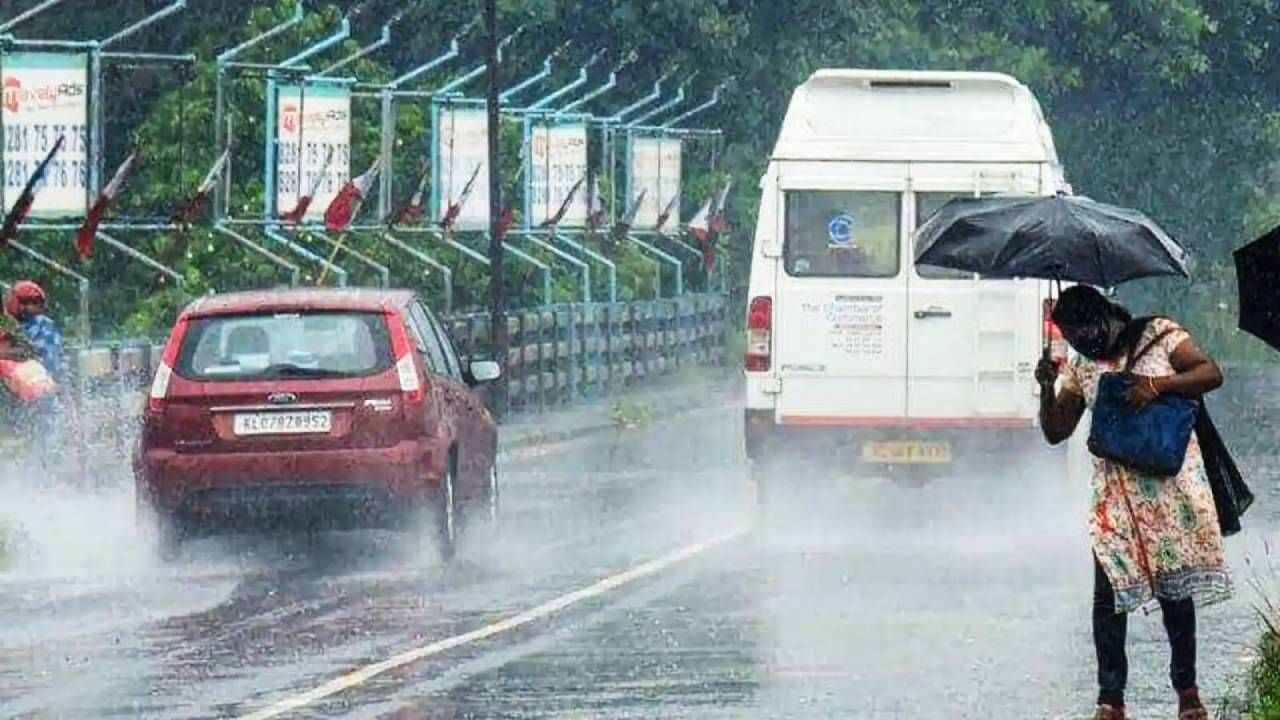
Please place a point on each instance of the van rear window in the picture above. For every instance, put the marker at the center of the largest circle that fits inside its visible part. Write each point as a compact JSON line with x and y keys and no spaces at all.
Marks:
{"x":842,"y":233}
{"x":285,"y":345}
{"x":928,"y":203}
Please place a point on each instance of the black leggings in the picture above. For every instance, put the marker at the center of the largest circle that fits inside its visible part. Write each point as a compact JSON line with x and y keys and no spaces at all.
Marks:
{"x":1110,"y":628}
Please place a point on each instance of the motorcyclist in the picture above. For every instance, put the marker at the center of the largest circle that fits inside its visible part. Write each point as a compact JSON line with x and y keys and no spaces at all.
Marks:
{"x":27,"y":304}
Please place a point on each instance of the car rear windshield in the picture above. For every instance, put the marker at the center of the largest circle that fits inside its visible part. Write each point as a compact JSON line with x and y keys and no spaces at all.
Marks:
{"x":285,"y":345}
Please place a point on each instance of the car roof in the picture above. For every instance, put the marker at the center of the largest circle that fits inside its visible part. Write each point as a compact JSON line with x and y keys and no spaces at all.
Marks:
{"x":296,"y":299}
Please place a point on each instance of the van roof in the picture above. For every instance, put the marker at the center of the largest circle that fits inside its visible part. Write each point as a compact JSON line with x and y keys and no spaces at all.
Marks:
{"x":907,"y":115}
{"x":293,"y":299}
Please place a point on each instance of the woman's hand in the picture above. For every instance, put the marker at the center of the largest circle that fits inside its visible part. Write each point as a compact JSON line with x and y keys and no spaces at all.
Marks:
{"x":1143,"y":391}
{"x":1047,"y":372}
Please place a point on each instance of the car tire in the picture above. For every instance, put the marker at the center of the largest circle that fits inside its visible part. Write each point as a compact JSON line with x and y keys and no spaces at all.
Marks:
{"x":445,"y":509}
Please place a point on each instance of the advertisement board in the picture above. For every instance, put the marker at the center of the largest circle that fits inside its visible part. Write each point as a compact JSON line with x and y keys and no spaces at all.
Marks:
{"x":462,"y":152}
{"x":46,"y":96}
{"x":313,"y":151}
{"x":655,"y":169}
{"x":558,"y":161}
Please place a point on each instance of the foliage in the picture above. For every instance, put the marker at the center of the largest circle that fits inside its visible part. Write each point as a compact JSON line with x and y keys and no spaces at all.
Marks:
{"x":1164,"y":106}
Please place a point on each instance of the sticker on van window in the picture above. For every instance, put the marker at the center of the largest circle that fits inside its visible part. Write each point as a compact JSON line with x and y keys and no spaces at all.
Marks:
{"x":840,"y":230}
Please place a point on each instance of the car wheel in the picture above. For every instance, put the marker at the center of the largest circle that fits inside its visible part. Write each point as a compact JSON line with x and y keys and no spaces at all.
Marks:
{"x":446,"y":513}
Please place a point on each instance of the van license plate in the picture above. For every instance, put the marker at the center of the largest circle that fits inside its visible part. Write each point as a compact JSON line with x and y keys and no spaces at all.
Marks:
{"x":907,"y":453}
{"x":284,"y":423}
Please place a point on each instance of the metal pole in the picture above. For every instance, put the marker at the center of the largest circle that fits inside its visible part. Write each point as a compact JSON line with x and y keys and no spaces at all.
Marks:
{"x":273,"y":232}
{"x":384,"y":273}
{"x":581,"y":80}
{"x":584,"y":270}
{"x":665,"y":257}
{"x":611,"y":269}
{"x":133,"y":29}
{"x":679,"y":98}
{"x":223,"y":61}
{"x":426,"y":259}
{"x":295,"y":273}
{"x":541,"y":75}
{"x":383,"y":40}
{"x":715,"y":100}
{"x":23,"y":17}
{"x":143,"y":258}
{"x":497,"y":293}
{"x":595,"y":93}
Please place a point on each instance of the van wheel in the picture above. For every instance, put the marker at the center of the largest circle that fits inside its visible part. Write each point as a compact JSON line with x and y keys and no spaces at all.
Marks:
{"x":445,"y":508}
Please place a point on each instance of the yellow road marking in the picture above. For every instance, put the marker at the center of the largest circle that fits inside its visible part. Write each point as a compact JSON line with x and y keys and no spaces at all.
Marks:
{"x":551,"y":607}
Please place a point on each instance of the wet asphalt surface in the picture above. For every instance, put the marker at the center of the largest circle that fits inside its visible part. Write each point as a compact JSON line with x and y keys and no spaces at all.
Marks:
{"x":967,"y":598}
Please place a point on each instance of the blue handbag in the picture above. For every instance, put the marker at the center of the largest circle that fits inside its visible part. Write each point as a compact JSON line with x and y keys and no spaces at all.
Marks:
{"x":1152,"y":440}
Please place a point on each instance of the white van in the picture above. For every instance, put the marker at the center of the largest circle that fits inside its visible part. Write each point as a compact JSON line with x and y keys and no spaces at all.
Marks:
{"x":885,"y":365}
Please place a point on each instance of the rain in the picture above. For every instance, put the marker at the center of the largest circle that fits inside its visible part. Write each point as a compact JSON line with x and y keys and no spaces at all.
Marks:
{"x":622,"y":359}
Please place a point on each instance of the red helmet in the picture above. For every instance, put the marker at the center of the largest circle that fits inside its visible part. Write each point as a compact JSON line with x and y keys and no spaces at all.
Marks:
{"x":22,"y":291}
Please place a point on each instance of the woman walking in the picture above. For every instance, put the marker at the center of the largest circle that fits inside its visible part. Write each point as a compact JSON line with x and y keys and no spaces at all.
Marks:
{"x":1154,"y":539}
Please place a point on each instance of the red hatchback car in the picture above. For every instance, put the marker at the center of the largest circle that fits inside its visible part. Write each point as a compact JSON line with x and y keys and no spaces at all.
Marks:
{"x":314,"y":409}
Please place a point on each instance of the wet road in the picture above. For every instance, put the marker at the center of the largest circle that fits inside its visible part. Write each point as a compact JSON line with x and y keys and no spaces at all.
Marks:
{"x":629,"y":579}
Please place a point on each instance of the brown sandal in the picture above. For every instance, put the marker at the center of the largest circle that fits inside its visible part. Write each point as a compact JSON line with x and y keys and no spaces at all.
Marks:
{"x":1109,"y":712}
{"x":1190,"y":707}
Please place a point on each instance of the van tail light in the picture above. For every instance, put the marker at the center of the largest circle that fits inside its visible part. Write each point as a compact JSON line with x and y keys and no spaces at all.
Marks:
{"x":406,"y":370}
{"x":759,"y":334}
{"x":164,"y":371}
{"x":1051,"y":335}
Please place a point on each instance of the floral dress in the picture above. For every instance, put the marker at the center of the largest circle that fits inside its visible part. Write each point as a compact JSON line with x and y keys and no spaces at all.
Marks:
{"x":1155,"y":537}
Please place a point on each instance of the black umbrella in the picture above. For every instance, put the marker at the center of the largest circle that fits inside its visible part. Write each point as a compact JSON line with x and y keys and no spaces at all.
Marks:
{"x":1066,"y":238}
{"x":1258,"y":276}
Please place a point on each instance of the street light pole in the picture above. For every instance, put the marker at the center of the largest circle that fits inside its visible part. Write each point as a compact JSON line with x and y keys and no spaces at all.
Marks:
{"x":497,"y":292}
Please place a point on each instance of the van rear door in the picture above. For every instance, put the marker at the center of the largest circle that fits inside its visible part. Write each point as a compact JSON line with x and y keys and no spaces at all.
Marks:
{"x":972,"y":342}
{"x":841,"y":295}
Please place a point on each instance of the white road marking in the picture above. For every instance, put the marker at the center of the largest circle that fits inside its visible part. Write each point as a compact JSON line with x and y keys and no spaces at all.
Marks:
{"x":551,"y":607}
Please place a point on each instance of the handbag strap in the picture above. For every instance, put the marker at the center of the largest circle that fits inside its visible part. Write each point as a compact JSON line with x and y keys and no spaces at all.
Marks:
{"x":1134,"y":358}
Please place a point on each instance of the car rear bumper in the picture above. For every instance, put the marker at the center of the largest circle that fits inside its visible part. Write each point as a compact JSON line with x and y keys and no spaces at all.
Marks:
{"x":404,"y":474}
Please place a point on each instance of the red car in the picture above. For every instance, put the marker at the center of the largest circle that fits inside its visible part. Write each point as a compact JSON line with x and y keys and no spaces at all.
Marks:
{"x":314,"y":409}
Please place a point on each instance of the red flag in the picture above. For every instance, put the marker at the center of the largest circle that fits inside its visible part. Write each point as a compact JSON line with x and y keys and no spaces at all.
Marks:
{"x":505,"y":220}
{"x":347,"y":203}
{"x":195,"y":203}
{"x":719,"y":217}
{"x":411,"y":211}
{"x":623,"y":226}
{"x":18,"y":213}
{"x":700,"y":224}
{"x":299,"y":211}
{"x":666,"y":211}
{"x":564,"y":206}
{"x":89,"y":230}
{"x":455,"y":208}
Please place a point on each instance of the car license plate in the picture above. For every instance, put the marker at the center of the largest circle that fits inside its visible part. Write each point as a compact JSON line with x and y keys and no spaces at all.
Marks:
{"x":907,"y":453}
{"x":284,"y":423}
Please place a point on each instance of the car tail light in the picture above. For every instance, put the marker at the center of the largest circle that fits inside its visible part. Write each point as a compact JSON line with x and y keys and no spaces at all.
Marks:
{"x":1052,"y":335}
{"x":406,"y":370}
{"x":759,"y":333}
{"x":164,"y":371}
